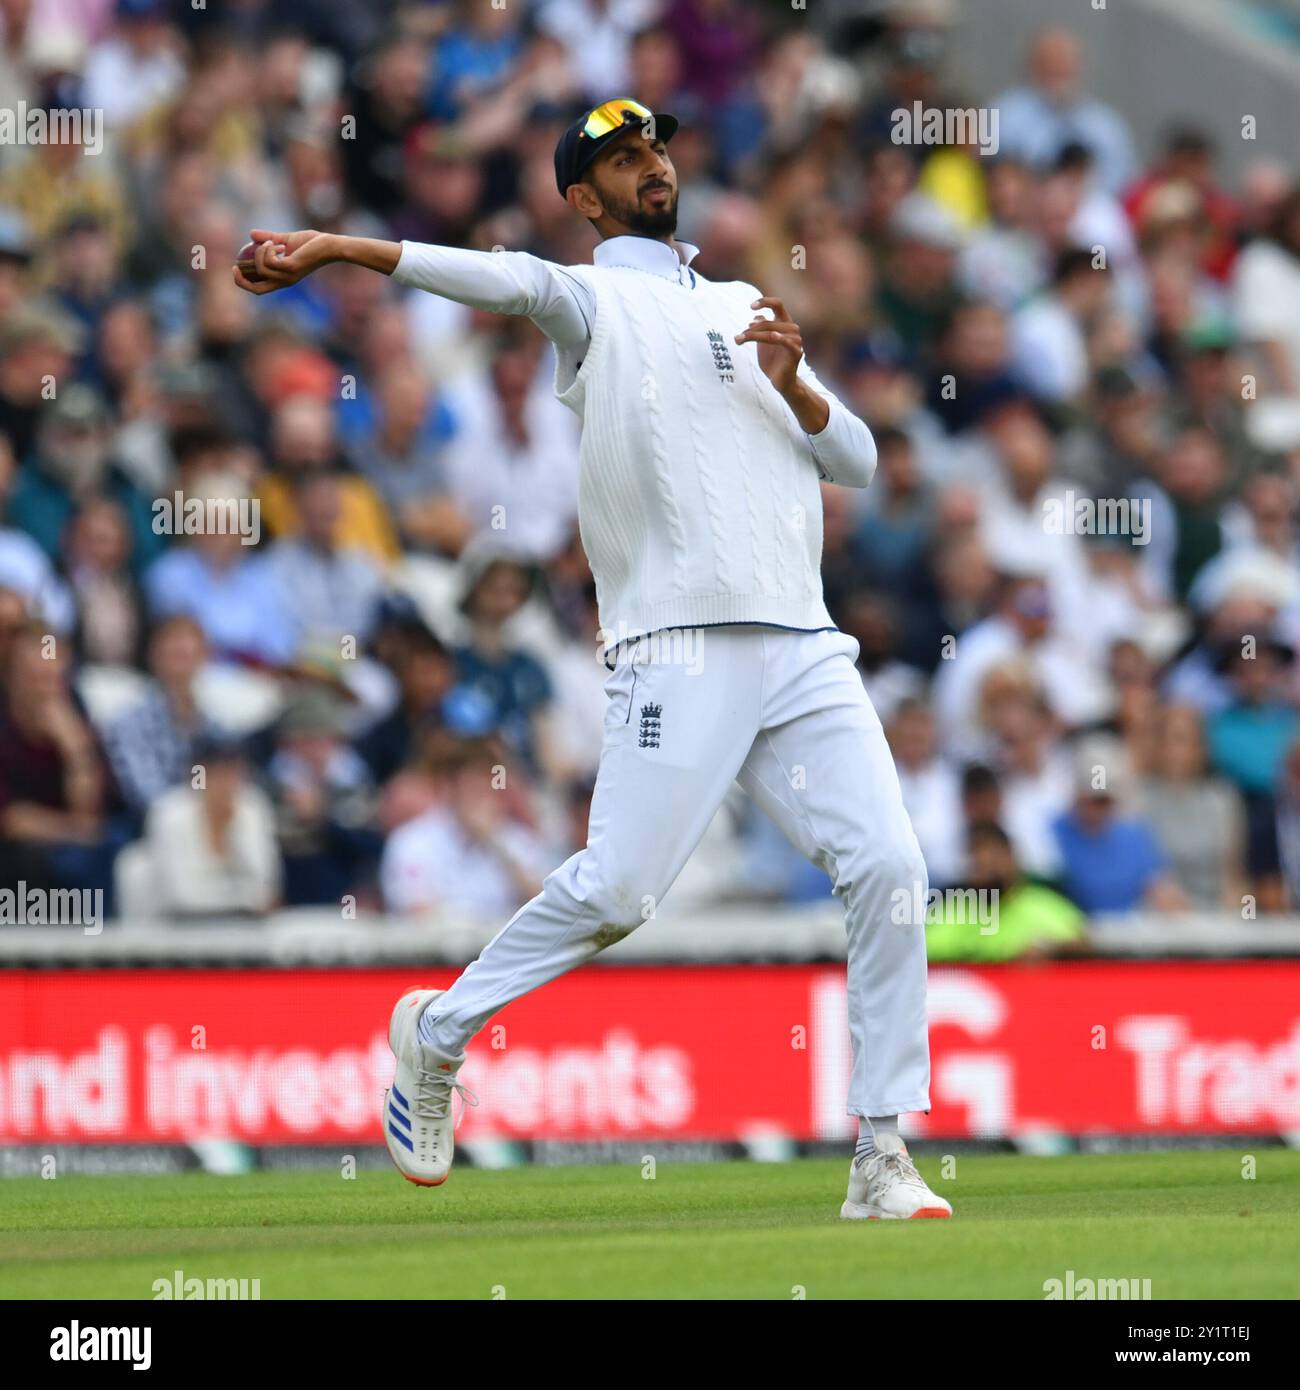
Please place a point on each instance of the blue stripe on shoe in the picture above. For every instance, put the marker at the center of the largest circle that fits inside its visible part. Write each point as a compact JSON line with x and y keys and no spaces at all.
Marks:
{"x":400,"y":1137}
{"x":405,"y":1103}
{"x":398,"y":1116}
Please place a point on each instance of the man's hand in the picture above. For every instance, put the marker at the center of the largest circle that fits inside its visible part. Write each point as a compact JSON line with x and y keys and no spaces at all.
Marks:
{"x":780,"y":344}
{"x":780,"y":350}
{"x":284,"y":258}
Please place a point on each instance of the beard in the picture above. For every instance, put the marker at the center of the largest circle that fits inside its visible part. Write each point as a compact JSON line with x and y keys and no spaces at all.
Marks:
{"x":644,"y":221}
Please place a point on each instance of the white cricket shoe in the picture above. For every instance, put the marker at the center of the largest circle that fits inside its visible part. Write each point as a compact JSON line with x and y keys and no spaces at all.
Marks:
{"x":417,"y":1119}
{"x":885,"y":1186}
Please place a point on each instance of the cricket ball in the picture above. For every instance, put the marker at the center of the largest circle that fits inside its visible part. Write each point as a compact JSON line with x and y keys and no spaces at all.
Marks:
{"x":246,"y":260}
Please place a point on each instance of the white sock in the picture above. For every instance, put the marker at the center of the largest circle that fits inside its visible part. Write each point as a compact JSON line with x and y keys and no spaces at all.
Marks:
{"x":868,"y":1129}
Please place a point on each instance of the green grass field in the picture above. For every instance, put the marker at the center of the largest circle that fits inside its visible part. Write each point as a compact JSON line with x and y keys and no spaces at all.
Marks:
{"x":1188,"y":1222}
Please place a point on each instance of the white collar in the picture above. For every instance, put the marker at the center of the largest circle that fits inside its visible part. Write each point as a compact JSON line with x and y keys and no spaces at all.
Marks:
{"x":644,"y":253}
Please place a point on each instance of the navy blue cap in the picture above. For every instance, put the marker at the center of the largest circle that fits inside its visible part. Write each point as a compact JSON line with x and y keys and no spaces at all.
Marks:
{"x":575,"y":150}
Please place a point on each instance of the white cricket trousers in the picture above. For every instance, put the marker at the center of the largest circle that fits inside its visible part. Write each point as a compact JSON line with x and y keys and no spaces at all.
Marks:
{"x":784,"y":713}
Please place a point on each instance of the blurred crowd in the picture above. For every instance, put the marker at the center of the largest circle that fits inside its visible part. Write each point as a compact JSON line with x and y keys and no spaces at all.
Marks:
{"x":393,"y":698}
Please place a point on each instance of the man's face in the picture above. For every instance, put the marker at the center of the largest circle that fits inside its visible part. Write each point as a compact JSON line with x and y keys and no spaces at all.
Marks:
{"x":636,"y":184}
{"x":74,"y":451}
{"x":912,"y":737}
{"x":992,"y":864}
{"x":320,"y":504}
{"x":1094,"y":810}
{"x":179,"y":650}
{"x":1257,"y":677}
{"x":426,"y":677}
{"x":501,"y":592}
{"x":1055,"y":65}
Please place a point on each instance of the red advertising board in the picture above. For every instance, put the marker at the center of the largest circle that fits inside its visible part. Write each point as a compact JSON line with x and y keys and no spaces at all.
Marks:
{"x":674,"y":1052}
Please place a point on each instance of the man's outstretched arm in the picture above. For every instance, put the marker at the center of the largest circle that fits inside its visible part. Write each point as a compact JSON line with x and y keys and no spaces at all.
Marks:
{"x":506,"y":282}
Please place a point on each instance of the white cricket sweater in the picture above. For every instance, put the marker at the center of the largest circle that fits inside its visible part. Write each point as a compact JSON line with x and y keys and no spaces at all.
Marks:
{"x":699,"y":500}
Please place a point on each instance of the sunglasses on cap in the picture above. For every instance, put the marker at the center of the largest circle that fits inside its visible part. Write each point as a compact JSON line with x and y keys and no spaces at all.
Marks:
{"x":613,"y":114}
{"x":602,"y":126}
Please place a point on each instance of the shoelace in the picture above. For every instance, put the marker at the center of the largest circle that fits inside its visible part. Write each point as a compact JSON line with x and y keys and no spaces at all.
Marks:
{"x":903,"y":1166}
{"x":433,"y":1092}
{"x":900,"y":1165}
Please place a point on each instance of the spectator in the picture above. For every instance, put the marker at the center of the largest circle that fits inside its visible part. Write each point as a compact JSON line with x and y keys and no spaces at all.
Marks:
{"x":512,"y":467}
{"x":918,"y":291}
{"x":1010,"y":918}
{"x":468,"y":855}
{"x":1288,"y":827}
{"x":973,"y":351}
{"x":472,"y":58}
{"x":303,"y":440}
{"x":38,"y":344}
{"x":138,"y":66}
{"x":1050,"y":333}
{"x":1035,"y":772}
{"x":25,"y":569}
{"x":72,"y":464}
{"x":54,"y":828}
{"x":1019,"y":629}
{"x":1185,"y":498}
{"x":13,"y":623}
{"x":15,"y":258}
{"x":425,"y":675}
{"x":82,"y":276}
{"x":1198,"y":819}
{"x":107,"y":592}
{"x":324,"y":802}
{"x":1266,"y":288}
{"x":328,"y":591}
{"x":1248,"y":741}
{"x":892,"y":536}
{"x":208,"y":850}
{"x":718,"y":40}
{"x":153,"y":745}
{"x":1110,"y":860}
{"x":400,"y":455}
{"x":219,"y":581}
{"x":513,"y":684}
{"x":597,"y":35}
{"x":1001,"y":262}
{"x":1188,"y":161}
{"x":1052,"y":111}
{"x":1026,"y":514}
{"x":873,"y":624}
{"x":931,"y":790}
